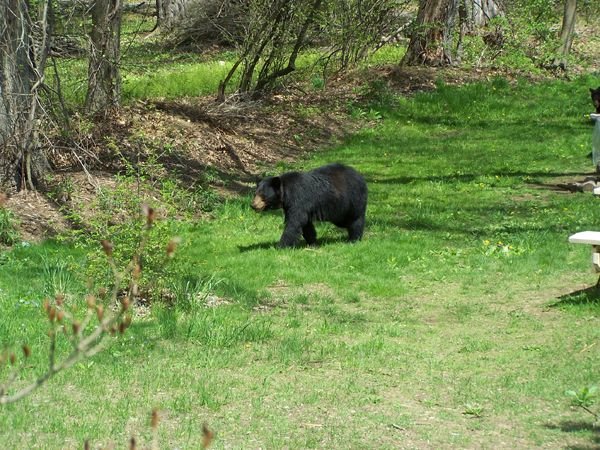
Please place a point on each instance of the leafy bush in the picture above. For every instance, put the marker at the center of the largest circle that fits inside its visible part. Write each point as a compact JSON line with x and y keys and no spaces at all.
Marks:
{"x":278,"y":31}
{"x":526,"y":38}
{"x":116,"y":220}
{"x":115,"y":217}
{"x":8,"y":229}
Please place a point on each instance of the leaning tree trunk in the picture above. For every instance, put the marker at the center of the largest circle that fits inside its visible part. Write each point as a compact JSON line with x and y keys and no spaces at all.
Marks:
{"x":429,"y":34}
{"x":566,"y":34}
{"x":475,"y":14}
{"x":22,"y":59}
{"x":451,"y":16}
{"x":104,"y":79}
{"x":170,"y":11}
{"x":482,"y":11}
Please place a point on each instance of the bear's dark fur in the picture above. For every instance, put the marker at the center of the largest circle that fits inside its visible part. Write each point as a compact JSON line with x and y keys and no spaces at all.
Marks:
{"x":333,"y":193}
{"x":596,"y":98}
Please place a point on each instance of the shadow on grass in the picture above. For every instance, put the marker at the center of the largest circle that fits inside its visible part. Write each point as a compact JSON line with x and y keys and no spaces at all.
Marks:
{"x":587,"y":296}
{"x":301,"y":244}
{"x":469,"y":177}
{"x":257,"y":246}
{"x":569,"y":426}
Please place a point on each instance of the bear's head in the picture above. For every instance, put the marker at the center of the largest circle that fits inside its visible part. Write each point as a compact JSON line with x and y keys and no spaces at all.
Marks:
{"x":596,"y":98}
{"x":268,"y":194}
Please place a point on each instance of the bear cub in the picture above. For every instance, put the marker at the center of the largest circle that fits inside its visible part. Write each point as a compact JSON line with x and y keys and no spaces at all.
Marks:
{"x":334,"y":193}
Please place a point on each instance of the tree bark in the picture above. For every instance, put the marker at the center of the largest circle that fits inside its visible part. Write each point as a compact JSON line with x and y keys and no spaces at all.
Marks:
{"x":482,"y":11}
{"x":22,"y":59}
{"x":566,"y":34}
{"x":429,"y":34}
{"x":104,"y":78}
{"x":474,"y":14}
{"x":463,"y":28}
{"x":452,"y":15}
{"x":169,"y":11}
{"x":432,"y":39}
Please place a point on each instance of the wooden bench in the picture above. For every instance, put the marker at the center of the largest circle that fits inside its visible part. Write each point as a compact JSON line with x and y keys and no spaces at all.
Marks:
{"x":591,"y":238}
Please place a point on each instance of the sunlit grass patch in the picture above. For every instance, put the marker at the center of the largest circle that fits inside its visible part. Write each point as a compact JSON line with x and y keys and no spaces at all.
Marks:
{"x":460,"y":319}
{"x":185,"y":80}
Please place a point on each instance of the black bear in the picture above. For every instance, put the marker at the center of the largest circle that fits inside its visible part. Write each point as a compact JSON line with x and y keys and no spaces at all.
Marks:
{"x":335,"y":193}
{"x":596,"y":98}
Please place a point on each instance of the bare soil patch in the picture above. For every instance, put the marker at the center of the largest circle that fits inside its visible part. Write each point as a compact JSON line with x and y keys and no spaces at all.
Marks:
{"x":37,"y":216}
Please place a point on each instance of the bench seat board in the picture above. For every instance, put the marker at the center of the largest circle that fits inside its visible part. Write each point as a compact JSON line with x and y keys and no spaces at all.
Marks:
{"x":585,"y":237}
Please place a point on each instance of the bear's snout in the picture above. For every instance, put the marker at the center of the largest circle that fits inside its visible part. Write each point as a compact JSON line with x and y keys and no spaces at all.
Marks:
{"x":258,"y":203}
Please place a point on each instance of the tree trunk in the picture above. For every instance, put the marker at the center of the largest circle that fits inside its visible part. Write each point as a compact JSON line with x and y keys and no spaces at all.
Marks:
{"x":448,"y":33}
{"x":566,"y":34}
{"x":463,"y":28}
{"x":429,"y":34}
{"x":104,"y":79}
{"x":474,"y":14}
{"x":22,"y":60}
{"x":169,"y":11}
{"x":482,"y":11}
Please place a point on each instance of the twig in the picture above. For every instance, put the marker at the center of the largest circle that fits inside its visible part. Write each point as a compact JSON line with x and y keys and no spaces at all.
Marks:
{"x":88,"y":175}
{"x":84,"y":346}
{"x":587,"y":347}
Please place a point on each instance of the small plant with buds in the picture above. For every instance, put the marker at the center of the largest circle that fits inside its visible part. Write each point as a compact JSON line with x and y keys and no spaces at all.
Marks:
{"x":207,"y":435}
{"x":127,"y":233}
{"x":107,"y":314}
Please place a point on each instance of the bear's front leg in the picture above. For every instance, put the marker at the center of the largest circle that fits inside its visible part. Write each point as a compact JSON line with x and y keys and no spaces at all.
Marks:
{"x":291,"y":232}
{"x":290,"y":236}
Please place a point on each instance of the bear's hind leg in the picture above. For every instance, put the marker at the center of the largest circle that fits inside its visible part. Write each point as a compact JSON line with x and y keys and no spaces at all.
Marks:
{"x":356,"y":228}
{"x":309,"y":233}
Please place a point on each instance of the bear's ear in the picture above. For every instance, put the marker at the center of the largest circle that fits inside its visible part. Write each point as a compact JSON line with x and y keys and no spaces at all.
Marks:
{"x":276,"y":183}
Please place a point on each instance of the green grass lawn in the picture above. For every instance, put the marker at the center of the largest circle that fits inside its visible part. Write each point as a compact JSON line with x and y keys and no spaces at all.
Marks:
{"x":458,"y":322}
{"x":149,"y":72}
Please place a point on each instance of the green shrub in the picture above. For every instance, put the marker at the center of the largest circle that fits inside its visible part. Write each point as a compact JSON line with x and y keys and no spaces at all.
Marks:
{"x":8,"y":228}
{"x":117,"y":220}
